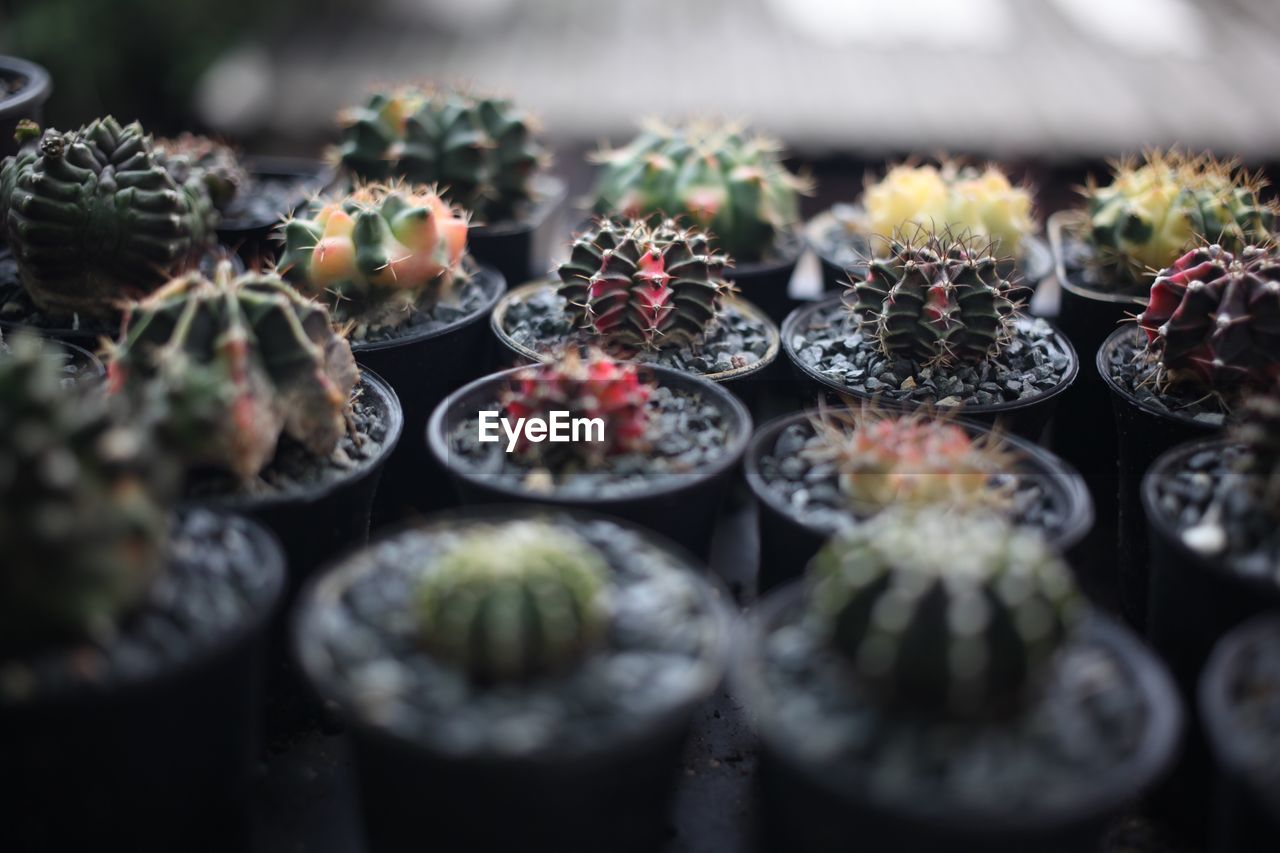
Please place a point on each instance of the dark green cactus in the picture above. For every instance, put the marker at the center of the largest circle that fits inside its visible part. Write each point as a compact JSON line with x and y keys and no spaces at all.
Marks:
{"x":215,"y":164}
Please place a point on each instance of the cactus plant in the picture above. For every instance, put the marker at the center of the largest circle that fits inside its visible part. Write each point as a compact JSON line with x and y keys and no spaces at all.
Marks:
{"x":82,"y":503}
{"x":94,"y":218}
{"x":215,"y":164}
{"x":514,"y":601}
{"x":936,"y":298}
{"x":943,"y":612}
{"x":235,"y":363}
{"x":479,"y":149}
{"x":730,"y":184}
{"x":377,"y":253}
{"x":1213,"y":318}
{"x":643,"y":284}
{"x":1153,"y":212}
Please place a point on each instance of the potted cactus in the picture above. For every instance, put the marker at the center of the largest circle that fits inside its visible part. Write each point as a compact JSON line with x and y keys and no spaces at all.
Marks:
{"x":526,"y":675}
{"x":934,"y":322}
{"x":480,"y":149}
{"x":938,"y":684}
{"x":814,"y":474}
{"x":24,"y":87}
{"x":635,"y":442}
{"x":723,"y":181}
{"x":961,"y":198}
{"x":129,"y":639}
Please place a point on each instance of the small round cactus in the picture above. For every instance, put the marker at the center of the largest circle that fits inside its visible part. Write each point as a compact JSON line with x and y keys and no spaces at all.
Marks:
{"x":936,"y":298}
{"x":943,"y":612}
{"x":217,"y":165}
{"x":514,"y":601}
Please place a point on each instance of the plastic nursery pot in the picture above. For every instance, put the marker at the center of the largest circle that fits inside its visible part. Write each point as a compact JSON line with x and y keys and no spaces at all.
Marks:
{"x":767,"y":282}
{"x":806,"y":806}
{"x":682,"y":508}
{"x":24,"y":87}
{"x":292,"y":180}
{"x":152,"y":744}
{"x":788,"y":539}
{"x":1026,"y":418}
{"x":520,"y":249}
{"x":1246,"y":808}
{"x":484,"y":793}
{"x":1142,"y":434}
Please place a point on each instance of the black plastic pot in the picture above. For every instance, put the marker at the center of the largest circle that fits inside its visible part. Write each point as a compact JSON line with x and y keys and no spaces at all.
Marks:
{"x":155,"y":762}
{"x":26,"y":103}
{"x":1246,"y":812}
{"x":253,"y":238}
{"x":767,"y":283}
{"x":804,"y":810}
{"x":1027,"y":418}
{"x":788,"y":540}
{"x":684,"y":512}
{"x":521,"y":249}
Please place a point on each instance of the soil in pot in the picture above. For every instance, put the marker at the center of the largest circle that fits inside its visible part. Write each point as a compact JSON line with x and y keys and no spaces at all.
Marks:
{"x":24,"y":88}
{"x":581,"y":757}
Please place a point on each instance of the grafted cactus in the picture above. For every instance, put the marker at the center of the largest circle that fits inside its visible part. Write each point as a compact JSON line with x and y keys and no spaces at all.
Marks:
{"x":217,"y":165}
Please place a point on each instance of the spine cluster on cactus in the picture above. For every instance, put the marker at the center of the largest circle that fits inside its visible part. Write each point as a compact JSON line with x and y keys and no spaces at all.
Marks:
{"x":915,"y":460}
{"x":1213,"y":318}
{"x":936,"y":298}
{"x":943,"y":612}
{"x":234,"y":363}
{"x":514,"y":601}
{"x":1153,"y":212}
{"x":377,"y":253}
{"x":733,"y":185}
{"x":82,"y":503}
{"x":94,"y":218}
{"x":480,"y":150}
{"x":643,"y":284}
{"x":215,"y":164}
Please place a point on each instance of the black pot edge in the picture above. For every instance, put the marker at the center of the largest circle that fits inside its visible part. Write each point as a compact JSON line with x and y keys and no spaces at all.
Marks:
{"x":272,"y":166}
{"x":36,"y":92}
{"x":793,"y":249}
{"x":1055,"y":229}
{"x":1101,"y":363}
{"x":552,"y":191}
{"x":500,"y":291}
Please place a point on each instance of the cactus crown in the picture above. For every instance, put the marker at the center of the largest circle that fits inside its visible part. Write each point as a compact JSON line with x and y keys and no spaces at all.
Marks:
{"x":915,"y":460}
{"x":943,"y":612}
{"x":514,"y":601}
{"x":1152,"y":212}
{"x":94,"y":218}
{"x":235,"y":363}
{"x":82,"y":503}
{"x":215,"y":164}
{"x":936,"y":298}
{"x":730,"y":184}
{"x":480,"y":150}
{"x":1212,"y":318}
{"x":377,"y":253}
{"x":643,"y":284}
{"x":1259,"y":431}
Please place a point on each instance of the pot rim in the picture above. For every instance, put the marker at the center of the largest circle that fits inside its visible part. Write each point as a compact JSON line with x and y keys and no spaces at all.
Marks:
{"x":480,"y":271}
{"x":305,"y":169}
{"x":1101,"y":362}
{"x":1056,"y":227}
{"x":39,"y":85}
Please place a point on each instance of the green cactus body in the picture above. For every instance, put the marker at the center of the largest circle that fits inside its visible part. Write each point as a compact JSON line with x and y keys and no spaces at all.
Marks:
{"x":943,"y":612}
{"x":82,"y":503}
{"x":94,"y":218}
{"x":480,"y":150}
{"x":234,"y":363}
{"x":216,"y":165}
{"x":514,"y":601}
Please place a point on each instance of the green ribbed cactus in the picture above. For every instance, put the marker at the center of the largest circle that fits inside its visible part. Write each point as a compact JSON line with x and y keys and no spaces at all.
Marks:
{"x":513,"y":601}
{"x":95,"y":219}
{"x":82,"y":503}
{"x":943,"y":612}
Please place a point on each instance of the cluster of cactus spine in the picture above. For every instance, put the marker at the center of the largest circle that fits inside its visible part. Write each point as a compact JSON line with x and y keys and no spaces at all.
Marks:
{"x":943,"y":612}
{"x":643,"y":284}
{"x":915,"y":460}
{"x":377,"y":253}
{"x":936,"y":298}
{"x":82,"y":503}
{"x":514,"y":601}
{"x":94,"y":218}
{"x":1213,"y":318}
{"x":1153,"y":212}
{"x":722,"y":180}
{"x":234,"y":363}
{"x":217,"y":165}
{"x":480,"y":150}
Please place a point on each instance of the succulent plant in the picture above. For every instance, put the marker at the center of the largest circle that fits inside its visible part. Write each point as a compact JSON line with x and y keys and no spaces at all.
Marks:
{"x":1213,"y":318}
{"x":377,"y":253}
{"x":480,"y":150}
{"x":643,"y":284}
{"x":95,"y":219}
{"x":514,"y":601}
{"x":733,"y":185}
{"x":215,"y":164}
{"x":936,"y":298}
{"x":82,"y":503}
{"x":1153,"y":212}
{"x":234,"y":363}
{"x":943,"y":612}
